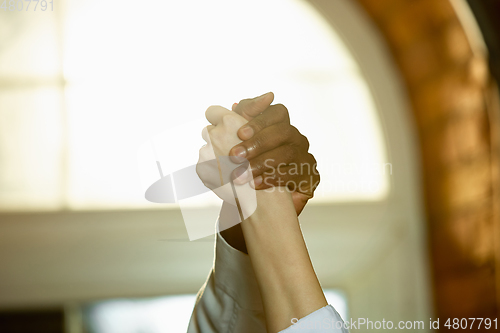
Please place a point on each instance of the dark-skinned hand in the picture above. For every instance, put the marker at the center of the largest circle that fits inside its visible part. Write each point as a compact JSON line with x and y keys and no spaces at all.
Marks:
{"x":277,"y":152}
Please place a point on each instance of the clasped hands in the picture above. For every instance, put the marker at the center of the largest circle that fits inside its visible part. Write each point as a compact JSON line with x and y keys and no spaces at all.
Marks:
{"x":260,"y":133}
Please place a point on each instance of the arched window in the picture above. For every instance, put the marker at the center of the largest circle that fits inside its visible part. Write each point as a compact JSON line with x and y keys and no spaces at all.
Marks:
{"x":136,"y":74}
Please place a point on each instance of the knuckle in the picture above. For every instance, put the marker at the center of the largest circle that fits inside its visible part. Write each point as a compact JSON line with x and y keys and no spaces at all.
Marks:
{"x":292,"y":134}
{"x":313,"y":159}
{"x":258,"y":124}
{"x":281,"y":108}
{"x":282,"y":112}
{"x":305,"y":142}
{"x":299,"y":137}
{"x":287,"y":130}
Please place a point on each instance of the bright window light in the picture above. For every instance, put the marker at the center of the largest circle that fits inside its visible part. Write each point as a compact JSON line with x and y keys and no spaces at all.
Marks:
{"x":159,"y":315}
{"x":131,"y":73}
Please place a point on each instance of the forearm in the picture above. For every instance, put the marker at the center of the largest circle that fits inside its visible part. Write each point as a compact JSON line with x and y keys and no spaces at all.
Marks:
{"x":286,"y":278}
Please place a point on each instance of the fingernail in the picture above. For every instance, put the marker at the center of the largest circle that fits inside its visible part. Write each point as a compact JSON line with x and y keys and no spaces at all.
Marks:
{"x":242,"y":175}
{"x":256,"y":182}
{"x":234,"y":106}
{"x":246,"y":132}
{"x":238,"y":154}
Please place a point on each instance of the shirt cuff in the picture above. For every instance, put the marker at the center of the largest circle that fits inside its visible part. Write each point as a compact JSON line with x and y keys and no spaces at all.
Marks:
{"x":233,"y":273}
{"x":325,"y":319}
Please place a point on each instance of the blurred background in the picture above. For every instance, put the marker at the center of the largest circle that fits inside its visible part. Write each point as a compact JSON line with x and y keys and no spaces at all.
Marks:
{"x":398,"y":99}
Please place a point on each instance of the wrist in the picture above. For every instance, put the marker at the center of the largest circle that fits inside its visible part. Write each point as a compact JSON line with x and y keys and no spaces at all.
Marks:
{"x":274,"y":222}
{"x":275,"y":202}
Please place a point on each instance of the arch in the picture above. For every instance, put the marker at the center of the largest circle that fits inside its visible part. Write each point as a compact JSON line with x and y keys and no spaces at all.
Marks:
{"x":393,"y":281}
{"x":455,"y":108}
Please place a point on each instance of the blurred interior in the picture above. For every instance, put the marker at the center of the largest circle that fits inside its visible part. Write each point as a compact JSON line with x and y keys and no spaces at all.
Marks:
{"x":399,"y":101}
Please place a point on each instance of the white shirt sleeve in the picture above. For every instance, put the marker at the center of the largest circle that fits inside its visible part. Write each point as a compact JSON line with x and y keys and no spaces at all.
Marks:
{"x":229,"y":301}
{"x":323,"y":320}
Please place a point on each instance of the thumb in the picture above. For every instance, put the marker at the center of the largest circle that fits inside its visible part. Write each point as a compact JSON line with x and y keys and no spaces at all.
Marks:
{"x":252,"y":107}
